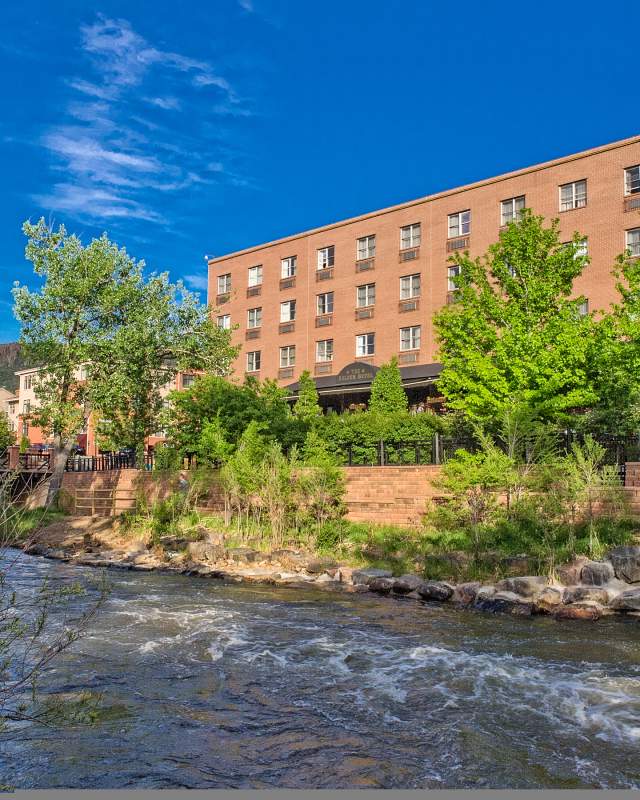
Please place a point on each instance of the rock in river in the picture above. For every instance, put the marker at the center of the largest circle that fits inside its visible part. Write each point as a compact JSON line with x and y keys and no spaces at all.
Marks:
{"x":318,"y":565}
{"x":508,"y":602}
{"x":579,"y":594}
{"x":243,"y":555}
{"x":597,"y":573}
{"x":407,"y":583}
{"x":525,"y":586}
{"x":381,"y":585}
{"x":587,"y":611}
{"x":626,"y":563}
{"x":367,"y":575}
{"x":627,"y":601}
{"x":548,"y":599}
{"x":435,"y":590}
{"x":465,"y":593}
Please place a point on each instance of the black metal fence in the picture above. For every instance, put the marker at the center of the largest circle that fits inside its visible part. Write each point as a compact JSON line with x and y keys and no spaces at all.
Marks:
{"x":107,"y":462}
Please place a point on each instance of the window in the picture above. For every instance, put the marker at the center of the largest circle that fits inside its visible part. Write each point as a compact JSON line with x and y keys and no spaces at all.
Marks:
{"x":224,"y":283}
{"x":510,"y":209}
{"x":582,"y":249}
{"x":410,"y":236}
{"x":409,"y":286}
{"x":365,"y":344}
{"x":288,"y":267}
{"x":633,"y":241}
{"x":25,"y":428}
{"x":632,"y":180}
{"x":324,"y":350}
{"x":573,"y":195}
{"x":288,"y":311}
{"x":366,"y":295}
{"x":187,"y":380}
{"x":324,"y":303}
{"x":326,"y":257}
{"x":253,"y":361}
{"x":459,"y":224}
{"x":254,"y":317}
{"x":287,"y":356}
{"x":583,"y":308}
{"x":27,"y":381}
{"x":452,"y":274}
{"x":366,"y":247}
{"x":255,"y":275}
{"x":26,"y":406}
{"x":224,"y":321}
{"x":410,"y":338}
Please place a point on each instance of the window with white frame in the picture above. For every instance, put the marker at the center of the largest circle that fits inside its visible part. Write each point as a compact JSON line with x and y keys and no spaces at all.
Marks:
{"x":410,"y":286}
{"x":188,"y":380}
{"x":511,"y":209}
{"x":326,"y":256}
{"x":366,"y":247}
{"x":573,"y":195}
{"x":582,"y":249}
{"x":452,"y":274}
{"x":324,"y":303}
{"x":288,"y":311}
{"x":288,"y":266}
{"x":26,"y":406}
{"x":365,"y":344}
{"x":27,"y":381}
{"x":632,"y":180}
{"x":253,"y":361}
{"x":366,"y":295}
{"x":287,"y":356}
{"x":410,"y":338}
{"x":255,"y":275}
{"x":224,"y":321}
{"x":324,"y":350}
{"x":583,"y":308}
{"x":254,"y":318}
{"x":410,"y":236}
{"x":633,"y":241}
{"x":224,"y":283}
{"x":459,"y":224}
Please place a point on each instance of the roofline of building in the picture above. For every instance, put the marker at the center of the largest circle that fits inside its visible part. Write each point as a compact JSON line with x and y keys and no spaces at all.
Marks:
{"x":431,"y":197}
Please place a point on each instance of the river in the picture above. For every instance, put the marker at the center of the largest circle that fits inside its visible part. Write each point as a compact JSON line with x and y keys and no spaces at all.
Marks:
{"x":209,"y":685}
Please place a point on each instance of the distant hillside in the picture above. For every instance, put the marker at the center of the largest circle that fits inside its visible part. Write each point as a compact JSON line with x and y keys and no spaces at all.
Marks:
{"x":10,"y":360}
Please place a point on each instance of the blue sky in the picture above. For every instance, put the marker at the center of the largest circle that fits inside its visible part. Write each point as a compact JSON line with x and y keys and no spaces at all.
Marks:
{"x":193,"y":128}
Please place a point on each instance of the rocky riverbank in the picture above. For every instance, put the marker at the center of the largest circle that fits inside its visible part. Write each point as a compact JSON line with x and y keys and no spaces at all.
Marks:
{"x":587,"y":590}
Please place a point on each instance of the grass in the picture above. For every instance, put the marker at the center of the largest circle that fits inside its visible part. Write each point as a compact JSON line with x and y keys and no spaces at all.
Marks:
{"x":26,"y":521}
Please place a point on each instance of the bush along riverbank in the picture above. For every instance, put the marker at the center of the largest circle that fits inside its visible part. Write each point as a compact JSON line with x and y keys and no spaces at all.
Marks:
{"x":583,"y":589}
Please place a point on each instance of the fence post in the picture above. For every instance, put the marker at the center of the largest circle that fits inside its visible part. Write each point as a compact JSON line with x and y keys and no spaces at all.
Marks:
{"x":435,"y":448}
{"x":381,"y":454}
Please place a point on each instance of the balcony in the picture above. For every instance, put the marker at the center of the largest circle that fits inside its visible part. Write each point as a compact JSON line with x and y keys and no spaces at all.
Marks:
{"x":324,"y":319}
{"x":410,"y":254}
{"x":287,"y":283}
{"x":285,"y":372}
{"x":324,"y":274}
{"x":411,"y":304}
{"x":365,"y":264}
{"x":459,"y":243}
{"x":221,"y":299}
{"x":324,"y":368}
{"x":632,"y":203}
{"x":287,"y":327}
{"x":364,"y":313}
{"x":254,"y":291}
{"x":252,"y":333}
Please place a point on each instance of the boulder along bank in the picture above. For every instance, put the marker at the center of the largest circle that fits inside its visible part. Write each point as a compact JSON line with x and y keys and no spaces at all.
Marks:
{"x":588,"y":590}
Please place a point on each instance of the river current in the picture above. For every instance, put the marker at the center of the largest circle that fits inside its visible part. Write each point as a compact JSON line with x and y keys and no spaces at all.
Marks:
{"x":210,"y":685}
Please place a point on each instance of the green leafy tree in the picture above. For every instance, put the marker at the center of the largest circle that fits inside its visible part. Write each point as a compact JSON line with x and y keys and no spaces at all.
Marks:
{"x":307,"y":408}
{"x":62,"y":324}
{"x":7,"y":436}
{"x":213,"y":448}
{"x":387,"y":392}
{"x":515,"y":332}
{"x":162,"y":330}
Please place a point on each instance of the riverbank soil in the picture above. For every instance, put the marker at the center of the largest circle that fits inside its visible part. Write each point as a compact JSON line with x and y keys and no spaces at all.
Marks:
{"x":585,"y":589}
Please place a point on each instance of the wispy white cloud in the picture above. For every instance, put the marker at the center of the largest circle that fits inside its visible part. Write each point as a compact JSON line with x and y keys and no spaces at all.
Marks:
{"x":197,"y":282}
{"x":247,"y":5}
{"x":115,"y":150}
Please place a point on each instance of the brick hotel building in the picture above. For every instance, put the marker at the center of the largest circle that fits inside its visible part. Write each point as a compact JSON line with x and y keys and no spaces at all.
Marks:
{"x":342,"y":299}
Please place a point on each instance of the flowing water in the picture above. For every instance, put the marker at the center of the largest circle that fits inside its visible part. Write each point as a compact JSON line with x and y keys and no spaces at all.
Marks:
{"x":209,"y":685}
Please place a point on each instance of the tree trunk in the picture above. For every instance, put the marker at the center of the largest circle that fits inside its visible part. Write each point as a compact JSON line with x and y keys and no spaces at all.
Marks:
{"x":60,"y":455}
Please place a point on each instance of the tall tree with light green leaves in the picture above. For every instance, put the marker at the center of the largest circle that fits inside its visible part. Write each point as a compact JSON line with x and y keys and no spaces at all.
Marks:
{"x":387,"y":392}
{"x":162,"y":330}
{"x":63,"y":322}
{"x":307,"y":408}
{"x":515,"y":332}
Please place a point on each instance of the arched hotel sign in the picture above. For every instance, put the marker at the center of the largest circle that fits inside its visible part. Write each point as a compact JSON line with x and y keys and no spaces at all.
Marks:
{"x":356,"y":373}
